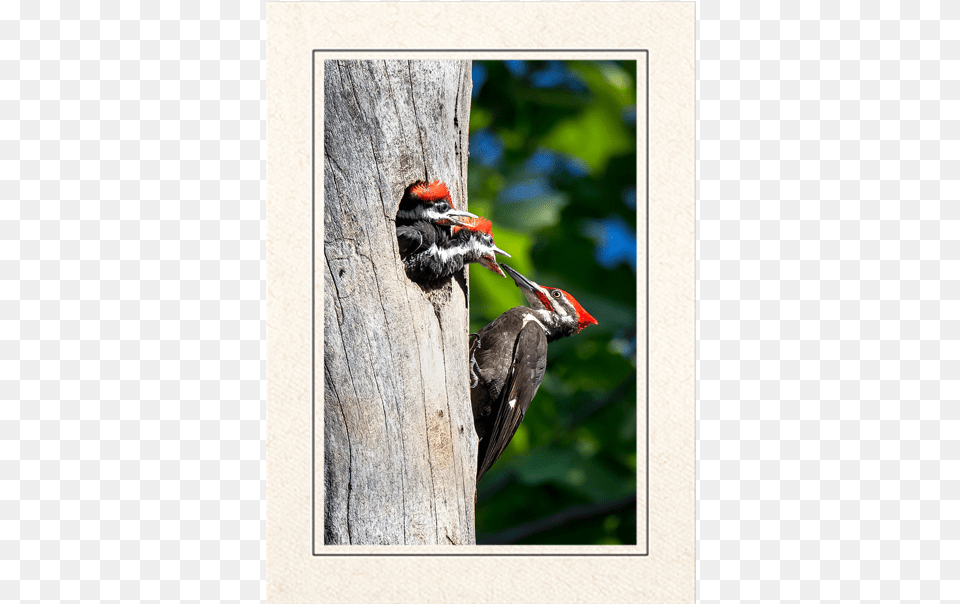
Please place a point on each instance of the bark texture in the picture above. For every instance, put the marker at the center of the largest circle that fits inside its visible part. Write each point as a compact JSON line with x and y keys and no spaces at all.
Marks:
{"x":399,"y":445}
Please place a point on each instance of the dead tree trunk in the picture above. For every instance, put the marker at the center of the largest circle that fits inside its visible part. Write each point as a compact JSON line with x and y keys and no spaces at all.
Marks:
{"x":399,"y":445}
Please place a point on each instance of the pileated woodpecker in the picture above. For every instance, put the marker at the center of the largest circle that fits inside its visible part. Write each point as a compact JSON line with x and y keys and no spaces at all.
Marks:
{"x":429,"y":253}
{"x":429,"y":201}
{"x":508,"y":358}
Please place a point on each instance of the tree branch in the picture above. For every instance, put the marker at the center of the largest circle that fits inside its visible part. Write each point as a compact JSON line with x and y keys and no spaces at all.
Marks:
{"x":571,"y":514}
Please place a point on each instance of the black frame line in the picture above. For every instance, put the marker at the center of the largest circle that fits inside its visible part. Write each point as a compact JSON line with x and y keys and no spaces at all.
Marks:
{"x":313,"y":292}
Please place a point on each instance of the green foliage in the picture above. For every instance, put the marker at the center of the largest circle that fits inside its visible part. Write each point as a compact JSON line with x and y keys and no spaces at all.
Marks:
{"x":553,"y":165}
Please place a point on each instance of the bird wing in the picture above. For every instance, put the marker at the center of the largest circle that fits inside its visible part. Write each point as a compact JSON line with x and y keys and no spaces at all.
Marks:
{"x":526,"y":373}
{"x":410,"y":240}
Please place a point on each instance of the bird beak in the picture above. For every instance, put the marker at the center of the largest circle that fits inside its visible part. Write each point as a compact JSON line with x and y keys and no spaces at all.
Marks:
{"x":531,"y":291}
{"x":497,"y":250}
{"x":454,"y":217}
{"x":490,"y":261}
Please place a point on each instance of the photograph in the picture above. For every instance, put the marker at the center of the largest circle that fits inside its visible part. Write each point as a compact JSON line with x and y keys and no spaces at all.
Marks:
{"x":481,"y":312}
{"x":480,"y":284}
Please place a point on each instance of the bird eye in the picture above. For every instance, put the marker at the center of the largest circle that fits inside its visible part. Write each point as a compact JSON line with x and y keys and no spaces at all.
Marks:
{"x":556,"y":294}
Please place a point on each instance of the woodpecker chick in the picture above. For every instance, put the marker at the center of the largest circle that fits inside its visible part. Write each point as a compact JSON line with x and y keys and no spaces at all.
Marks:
{"x":476,"y":236}
{"x":429,"y":253}
{"x":508,"y":358}
{"x":431,"y":202}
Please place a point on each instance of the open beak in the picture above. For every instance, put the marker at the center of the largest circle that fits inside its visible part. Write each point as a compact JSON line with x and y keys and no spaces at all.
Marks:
{"x":497,"y":250}
{"x":489,"y":261}
{"x":531,"y":291}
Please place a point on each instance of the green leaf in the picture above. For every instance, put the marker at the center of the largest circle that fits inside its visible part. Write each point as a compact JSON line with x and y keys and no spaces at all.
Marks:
{"x":566,"y":468}
{"x":480,"y":118}
{"x":595,"y":136}
{"x":533,"y":213}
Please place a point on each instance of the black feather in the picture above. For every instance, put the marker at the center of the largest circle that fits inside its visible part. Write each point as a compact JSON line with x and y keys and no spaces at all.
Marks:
{"x":528,"y":362}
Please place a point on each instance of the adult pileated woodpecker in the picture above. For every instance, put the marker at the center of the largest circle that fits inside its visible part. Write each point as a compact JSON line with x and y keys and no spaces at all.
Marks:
{"x":429,"y":253}
{"x":508,"y":358}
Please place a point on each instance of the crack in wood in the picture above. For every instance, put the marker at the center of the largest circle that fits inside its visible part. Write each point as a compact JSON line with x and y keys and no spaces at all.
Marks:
{"x":414,"y":376}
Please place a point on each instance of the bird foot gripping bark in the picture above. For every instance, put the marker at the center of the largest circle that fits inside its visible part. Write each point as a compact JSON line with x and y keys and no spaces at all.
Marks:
{"x":474,"y":372}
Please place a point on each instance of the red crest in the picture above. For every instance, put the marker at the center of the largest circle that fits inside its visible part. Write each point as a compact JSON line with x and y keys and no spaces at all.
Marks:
{"x":480,"y":224}
{"x":583,"y":317}
{"x":432,"y":191}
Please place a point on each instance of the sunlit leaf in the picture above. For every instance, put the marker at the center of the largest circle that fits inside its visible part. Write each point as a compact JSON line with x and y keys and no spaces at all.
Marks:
{"x":480,"y":118}
{"x":532,"y":214}
{"x":594,"y":136}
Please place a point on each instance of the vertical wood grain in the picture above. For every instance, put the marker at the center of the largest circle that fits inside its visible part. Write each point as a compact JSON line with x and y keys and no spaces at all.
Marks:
{"x":399,"y":445}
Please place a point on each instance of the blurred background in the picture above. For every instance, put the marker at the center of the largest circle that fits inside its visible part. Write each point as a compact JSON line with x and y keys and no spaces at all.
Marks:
{"x":553,"y":165}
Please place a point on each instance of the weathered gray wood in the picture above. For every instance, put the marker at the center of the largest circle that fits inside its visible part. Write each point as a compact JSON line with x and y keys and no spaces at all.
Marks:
{"x":399,"y":445}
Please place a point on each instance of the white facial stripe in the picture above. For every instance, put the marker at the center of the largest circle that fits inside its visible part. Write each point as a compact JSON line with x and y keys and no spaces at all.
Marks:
{"x":558,"y":307}
{"x":420,"y":213}
{"x":442,"y":253}
{"x":445,"y":253}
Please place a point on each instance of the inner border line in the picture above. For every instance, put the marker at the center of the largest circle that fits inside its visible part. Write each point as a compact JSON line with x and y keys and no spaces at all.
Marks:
{"x":313,"y":293}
